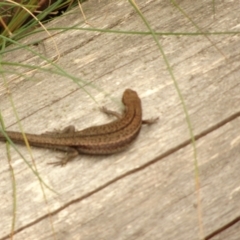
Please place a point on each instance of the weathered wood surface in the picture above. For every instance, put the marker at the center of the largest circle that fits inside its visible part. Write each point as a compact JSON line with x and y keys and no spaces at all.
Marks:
{"x":148,"y":191}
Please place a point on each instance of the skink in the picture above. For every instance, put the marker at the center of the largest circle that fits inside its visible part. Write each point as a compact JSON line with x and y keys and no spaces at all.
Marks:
{"x":98,"y":140}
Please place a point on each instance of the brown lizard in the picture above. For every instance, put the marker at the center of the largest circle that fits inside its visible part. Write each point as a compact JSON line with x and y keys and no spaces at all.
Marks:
{"x":98,"y":140}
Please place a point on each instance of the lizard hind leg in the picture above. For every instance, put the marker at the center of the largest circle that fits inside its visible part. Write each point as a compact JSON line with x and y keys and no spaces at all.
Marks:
{"x":70,"y":154}
{"x":56,"y":132}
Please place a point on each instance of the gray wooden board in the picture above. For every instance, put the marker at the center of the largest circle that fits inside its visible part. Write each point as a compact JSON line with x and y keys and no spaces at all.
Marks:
{"x":157,"y":201}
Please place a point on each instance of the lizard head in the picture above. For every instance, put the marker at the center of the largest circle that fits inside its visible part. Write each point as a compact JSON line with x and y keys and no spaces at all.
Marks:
{"x":130,"y":96}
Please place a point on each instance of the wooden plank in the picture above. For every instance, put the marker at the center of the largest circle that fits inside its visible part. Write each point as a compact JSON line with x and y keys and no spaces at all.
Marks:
{"x":159,"y":200}
{"x":209,"y":84}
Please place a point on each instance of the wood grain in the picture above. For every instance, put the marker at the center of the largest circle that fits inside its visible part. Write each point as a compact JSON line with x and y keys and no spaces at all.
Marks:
{"x":147,"y":192}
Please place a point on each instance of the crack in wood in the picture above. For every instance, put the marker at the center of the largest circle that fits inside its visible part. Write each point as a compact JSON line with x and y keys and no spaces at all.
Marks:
{"x":165,"y":154}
